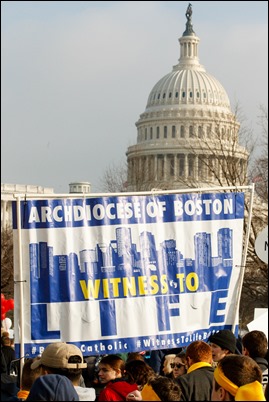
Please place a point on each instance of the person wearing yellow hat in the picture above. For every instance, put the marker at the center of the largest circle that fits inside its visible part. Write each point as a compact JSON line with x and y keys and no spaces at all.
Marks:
{"x":237,"y":378}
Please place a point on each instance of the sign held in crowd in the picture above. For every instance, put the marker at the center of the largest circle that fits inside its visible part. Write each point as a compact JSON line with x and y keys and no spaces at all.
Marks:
{"x":124,"y":273}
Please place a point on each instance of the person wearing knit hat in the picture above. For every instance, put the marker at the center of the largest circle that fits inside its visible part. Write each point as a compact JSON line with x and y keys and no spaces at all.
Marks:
{"x":222,"y":344}
{"x":237,"y":378}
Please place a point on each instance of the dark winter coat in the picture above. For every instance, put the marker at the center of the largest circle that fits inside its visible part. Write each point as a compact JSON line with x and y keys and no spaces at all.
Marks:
{"x":196,"y":385}
{"x":9,"y":355}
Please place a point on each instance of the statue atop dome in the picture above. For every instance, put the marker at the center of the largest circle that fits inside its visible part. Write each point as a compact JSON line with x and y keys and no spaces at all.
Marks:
{"x":189,"y":12}
{"x":189,"y":31}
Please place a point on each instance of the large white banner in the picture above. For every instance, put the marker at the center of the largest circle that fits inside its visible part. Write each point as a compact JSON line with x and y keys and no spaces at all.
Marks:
{"x":127,"y":273}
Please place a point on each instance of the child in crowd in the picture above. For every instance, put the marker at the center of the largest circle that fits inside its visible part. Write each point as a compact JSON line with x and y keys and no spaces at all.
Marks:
{"x":110,"y":372}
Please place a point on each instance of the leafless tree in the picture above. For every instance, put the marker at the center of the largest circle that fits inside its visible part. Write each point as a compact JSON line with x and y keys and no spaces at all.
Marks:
{"x":259,"y":167}
{"x":255,"y":287}
{"x":7,"y":272}
{"x":115,"y":178}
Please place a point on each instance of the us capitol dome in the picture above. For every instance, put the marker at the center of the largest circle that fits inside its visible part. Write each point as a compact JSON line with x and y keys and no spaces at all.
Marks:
{"x":187,"y":136}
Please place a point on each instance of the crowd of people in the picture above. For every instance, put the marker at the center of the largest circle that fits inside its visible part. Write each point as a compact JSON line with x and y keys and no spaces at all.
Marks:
{"x":222,"y":369}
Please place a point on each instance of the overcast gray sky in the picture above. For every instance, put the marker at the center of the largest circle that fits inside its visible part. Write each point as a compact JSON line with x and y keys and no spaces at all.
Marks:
{"x":76,"y":75}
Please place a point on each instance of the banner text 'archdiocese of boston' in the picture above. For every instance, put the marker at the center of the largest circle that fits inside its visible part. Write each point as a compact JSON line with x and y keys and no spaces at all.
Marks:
{"x":121,"y":274}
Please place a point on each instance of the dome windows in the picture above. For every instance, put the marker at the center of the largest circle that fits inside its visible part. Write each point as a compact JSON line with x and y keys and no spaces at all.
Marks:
{"x":188,"y":86}
{"x":181,"y":164}
{"x":200,"y":171}
{"x":181,"y":131}
{"x":171,"y":165}
{"x":191,"y":165}
{"x":191,"y":132}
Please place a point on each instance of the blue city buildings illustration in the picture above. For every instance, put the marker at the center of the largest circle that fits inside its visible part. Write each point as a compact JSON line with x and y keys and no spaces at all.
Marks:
{"x":58,"y":278}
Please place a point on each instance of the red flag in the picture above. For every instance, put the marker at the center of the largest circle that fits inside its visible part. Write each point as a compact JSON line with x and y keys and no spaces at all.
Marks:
{"x":257,"y":178}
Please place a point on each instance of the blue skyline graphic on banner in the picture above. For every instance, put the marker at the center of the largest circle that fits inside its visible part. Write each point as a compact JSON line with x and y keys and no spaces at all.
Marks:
{"x":114,"y":270}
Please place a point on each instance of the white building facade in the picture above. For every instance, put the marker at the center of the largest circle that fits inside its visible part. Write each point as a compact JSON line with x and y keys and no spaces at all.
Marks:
{"x":7,"y":191}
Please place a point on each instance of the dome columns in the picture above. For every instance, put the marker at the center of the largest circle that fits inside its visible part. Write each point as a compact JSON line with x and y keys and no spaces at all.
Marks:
{"x":166,"y":167}
{"x":188,"y":50}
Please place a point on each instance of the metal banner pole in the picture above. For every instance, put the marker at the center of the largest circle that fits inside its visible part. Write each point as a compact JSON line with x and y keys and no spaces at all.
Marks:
{"x":244,"y":258}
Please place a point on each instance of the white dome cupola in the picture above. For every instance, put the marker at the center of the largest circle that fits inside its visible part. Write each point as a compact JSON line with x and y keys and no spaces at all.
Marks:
{"x":188,"y":83}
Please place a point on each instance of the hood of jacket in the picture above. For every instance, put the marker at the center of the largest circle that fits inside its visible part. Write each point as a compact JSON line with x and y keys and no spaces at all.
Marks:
{"x":121,"y":387}
{"x":85,"y":393}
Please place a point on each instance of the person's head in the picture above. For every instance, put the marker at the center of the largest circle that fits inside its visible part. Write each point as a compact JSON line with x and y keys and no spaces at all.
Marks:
{"x":28,"y":375}
{"x":134,"y":356}
{"x":110,"y":368}
{"x":6,"y":341}
{"x":52,"y":387}
{"x":4,"y":333}
{"x":198,"y":351}
{"x":161,"y":388}
{"x":138,"y":372}
{"x":238,"y":378}
{"x":255,"y":344}
{"x":168,"y":360}
{"x":179,"y":366}
{"x":222,"y":343}
{"x":61,"y":358}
